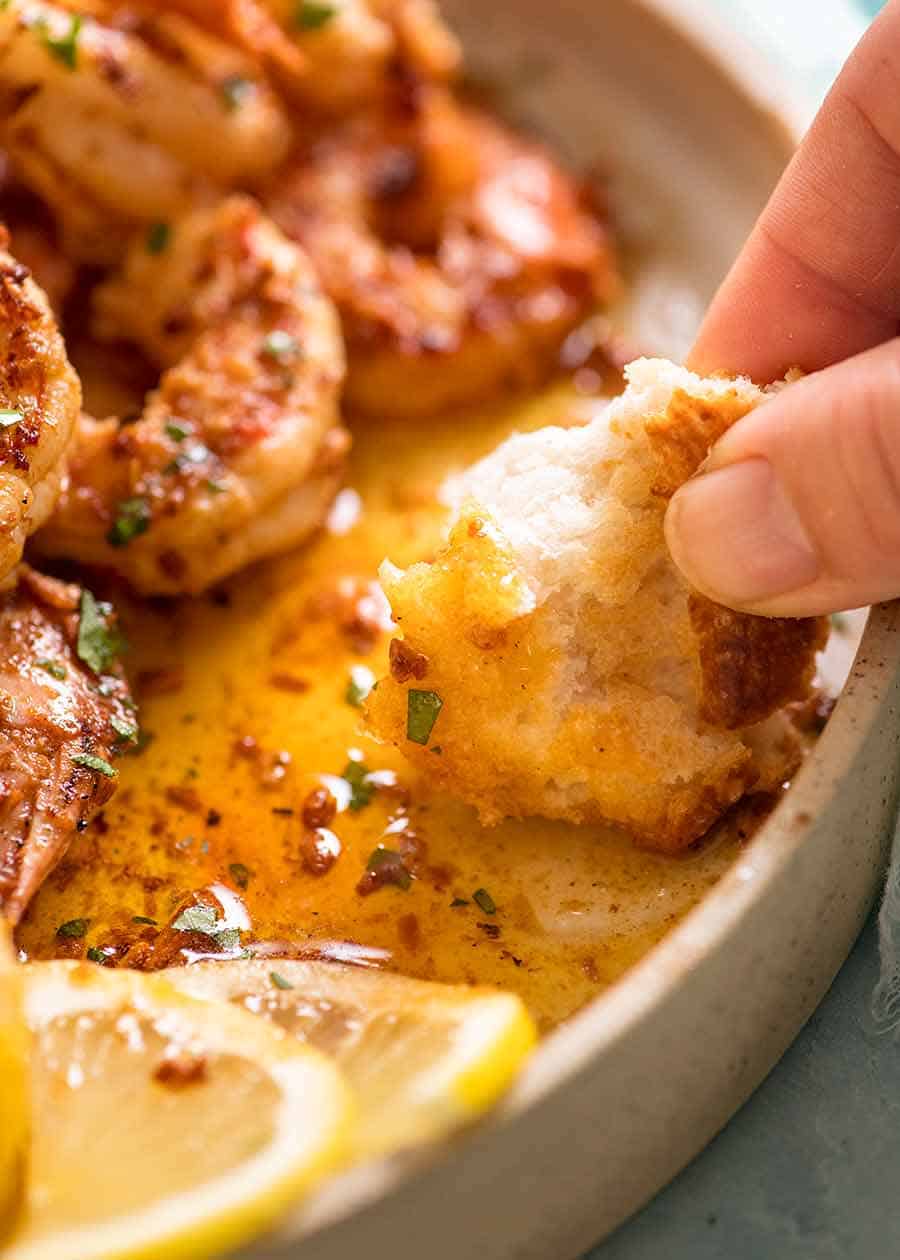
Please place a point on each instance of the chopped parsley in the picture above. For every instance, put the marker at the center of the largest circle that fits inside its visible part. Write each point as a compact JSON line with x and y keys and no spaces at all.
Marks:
{"x":143,"y":918}
{"x":235,"y":90}
{"x":9,"y":418}
{"x":361,"y":682}
{"x":63,"y":47}
{"x":279,"y":982}
{"x":91,"y":762}
{"x":484,"y":900}
{"x":203,"y":919}
{"x":132,"y":519}
{"x":98,"y":643}
{"x":356,"y":773}
{"x":53,"y":668}
{"x":177,"y":432}
{"x":158,"y":237}
{"x":457,"y":902}
{"x":127,"y":732}
{"x":280,"y":345}
{"x":241,"y":874}
{"x":422,"y":711}
{"x":96,"y":955}
{"x":216,"y":487}
{"x":74,"y":929}
{"x":197,"y":453}
{"x":312,"y":15}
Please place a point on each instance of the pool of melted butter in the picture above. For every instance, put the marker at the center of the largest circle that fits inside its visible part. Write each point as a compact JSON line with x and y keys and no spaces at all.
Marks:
{"x":243,"y":697}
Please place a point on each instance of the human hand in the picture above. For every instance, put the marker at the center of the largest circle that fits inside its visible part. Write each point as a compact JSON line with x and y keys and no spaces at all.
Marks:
{"x":797,"y":511}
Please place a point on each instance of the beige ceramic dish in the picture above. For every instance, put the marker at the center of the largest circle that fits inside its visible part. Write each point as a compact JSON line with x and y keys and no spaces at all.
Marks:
{"x":618,"y":1100}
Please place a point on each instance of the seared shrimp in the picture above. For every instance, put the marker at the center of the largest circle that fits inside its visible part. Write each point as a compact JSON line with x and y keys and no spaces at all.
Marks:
{"x":459,"y":255}
{"x":117,"y":124}
{"x":40,"y":398}
{"x":238,"y":453}
{"x":64,"y":713}
{"x":337,"y":55}
{"x":34,"y":240}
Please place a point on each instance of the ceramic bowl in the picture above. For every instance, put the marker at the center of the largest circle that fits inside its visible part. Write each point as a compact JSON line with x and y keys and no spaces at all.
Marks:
{"x":619,"y":1099}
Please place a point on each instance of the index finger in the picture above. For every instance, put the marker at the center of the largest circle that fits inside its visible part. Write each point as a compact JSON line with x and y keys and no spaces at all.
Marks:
{"x":819,"y":278}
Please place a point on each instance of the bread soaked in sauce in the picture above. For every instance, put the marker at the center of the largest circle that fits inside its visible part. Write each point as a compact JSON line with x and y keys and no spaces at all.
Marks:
{"x":246,"y":705}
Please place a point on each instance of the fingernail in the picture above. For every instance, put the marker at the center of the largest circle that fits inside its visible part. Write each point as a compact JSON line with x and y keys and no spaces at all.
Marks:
{"x":736,"y":536}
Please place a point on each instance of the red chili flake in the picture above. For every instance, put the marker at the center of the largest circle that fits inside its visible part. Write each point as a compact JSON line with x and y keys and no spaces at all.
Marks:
{"x":319,"y":808}
{"x":289,"y":682}
{"x":159,"y":682}
{"x":319,"y":849}
{"x":409,"y":932}
{"x":185,"y":798}
{"x":406,"y":663}
{"x":385,"y":867}
{"x":490,"y":929}
{"x":178,"y":1071}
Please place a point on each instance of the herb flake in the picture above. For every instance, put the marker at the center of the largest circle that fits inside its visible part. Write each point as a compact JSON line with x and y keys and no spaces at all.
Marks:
{"x":73,"y":930}
{"x":356,"y":773}
{"x":484,"y":901}
{"x":312,"y":15}
{"x":235,"y":90}
{"x":54,"y":668}
{"x":241,"y":874}
{"x":279,"y":982}
{"x":91,"y":762}
{"x":158,"y":237}
{"x":422,"y":711}
{"x":133,"y":518}
{"x":280,"y":345}
{"x":359,"y":685}
{"x":204,"y":920}
{"x":63,"y":47}
{"x":127,"y":732}
{"x":98,"y":644}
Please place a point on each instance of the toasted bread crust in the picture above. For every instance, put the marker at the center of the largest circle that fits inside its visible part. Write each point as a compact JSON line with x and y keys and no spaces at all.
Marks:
{"x":751,"y":666}
{"x":580,"y":677}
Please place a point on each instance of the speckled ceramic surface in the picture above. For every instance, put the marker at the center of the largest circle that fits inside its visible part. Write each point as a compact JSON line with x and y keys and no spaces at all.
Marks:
{"x":614,"y":1103}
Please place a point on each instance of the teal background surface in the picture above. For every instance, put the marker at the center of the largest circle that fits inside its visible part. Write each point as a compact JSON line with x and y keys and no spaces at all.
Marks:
{"x":809,"y":1169}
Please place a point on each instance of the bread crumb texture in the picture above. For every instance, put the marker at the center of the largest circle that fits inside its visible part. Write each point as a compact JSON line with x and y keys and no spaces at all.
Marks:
{"x":580,"y":677}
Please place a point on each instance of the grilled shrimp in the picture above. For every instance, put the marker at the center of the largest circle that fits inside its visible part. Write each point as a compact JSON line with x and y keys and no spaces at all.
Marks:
{"x":238,"y":452}
{"x":336,"y":56}
{"x":40,"y":398}
{"x":64,"y":711}
{"x":459,"y":255}
{"x":115,"y":118}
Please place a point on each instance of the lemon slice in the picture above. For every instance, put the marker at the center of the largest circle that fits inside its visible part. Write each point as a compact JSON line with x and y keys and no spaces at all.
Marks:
{"x":421,"y":1058}
{"x":163,"y":1126}
{"x":13,"y":1101}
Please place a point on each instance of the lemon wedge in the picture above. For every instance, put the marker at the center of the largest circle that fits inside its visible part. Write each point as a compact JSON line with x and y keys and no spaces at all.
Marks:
{"x":13,"y":1100}
{"x":421,"y":1058}
{"x":163,"y":1126}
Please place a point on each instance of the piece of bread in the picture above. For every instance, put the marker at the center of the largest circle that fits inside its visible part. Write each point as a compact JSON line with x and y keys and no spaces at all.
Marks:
{"x":577,"y":676}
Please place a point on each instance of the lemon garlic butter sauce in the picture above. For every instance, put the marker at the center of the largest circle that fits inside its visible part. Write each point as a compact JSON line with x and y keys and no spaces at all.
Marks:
{"x":220,"y":839}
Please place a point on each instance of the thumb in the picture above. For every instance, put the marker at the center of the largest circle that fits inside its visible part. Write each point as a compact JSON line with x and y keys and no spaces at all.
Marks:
{"x":797,"y":510}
